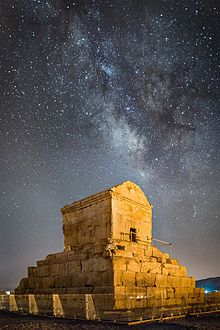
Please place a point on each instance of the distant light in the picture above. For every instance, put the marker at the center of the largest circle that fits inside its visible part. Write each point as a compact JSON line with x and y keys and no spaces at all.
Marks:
{"x":207,"y":291}
{"x":7,"y":292}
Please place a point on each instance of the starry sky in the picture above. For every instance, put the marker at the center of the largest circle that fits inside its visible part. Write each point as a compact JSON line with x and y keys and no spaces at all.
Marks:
{"x":93,"y":93}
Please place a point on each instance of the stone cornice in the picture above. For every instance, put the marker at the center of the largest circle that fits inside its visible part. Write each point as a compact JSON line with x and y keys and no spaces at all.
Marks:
{"x":86,"y":202}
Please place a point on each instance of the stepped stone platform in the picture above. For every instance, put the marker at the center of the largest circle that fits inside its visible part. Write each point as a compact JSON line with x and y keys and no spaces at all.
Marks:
{"x":109,"y":263}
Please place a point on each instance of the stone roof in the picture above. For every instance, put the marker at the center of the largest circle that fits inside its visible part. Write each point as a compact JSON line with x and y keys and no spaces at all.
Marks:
{"x":126,"y":189}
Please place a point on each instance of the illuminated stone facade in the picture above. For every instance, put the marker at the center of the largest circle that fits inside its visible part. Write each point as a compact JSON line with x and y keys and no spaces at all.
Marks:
{"x":108,"y":251}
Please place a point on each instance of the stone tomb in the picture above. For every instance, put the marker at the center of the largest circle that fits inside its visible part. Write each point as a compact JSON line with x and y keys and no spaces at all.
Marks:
{"x":108,"y":253}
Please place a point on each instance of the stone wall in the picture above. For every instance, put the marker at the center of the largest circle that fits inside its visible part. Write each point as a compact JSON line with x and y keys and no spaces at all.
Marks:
{"x":130,"y":209}
{"x":144,"y":271}
{"x":108,"y":251}
{"x":87,"y":224}
{"x":67,"y":272}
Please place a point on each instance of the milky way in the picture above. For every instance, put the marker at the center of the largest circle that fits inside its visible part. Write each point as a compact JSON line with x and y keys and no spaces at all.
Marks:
{"x":94,"y":93}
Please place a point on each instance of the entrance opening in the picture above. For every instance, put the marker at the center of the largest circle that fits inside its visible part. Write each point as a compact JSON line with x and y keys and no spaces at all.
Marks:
{"x":133,"y":235}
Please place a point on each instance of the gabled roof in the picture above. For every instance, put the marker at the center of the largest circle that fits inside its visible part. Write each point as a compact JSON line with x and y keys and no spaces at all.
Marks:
{"x":128,"y":190}
{"x":132,"y":191}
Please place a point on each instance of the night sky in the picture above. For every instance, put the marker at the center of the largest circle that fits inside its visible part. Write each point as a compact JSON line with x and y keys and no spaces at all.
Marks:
{"x":93,"y":93}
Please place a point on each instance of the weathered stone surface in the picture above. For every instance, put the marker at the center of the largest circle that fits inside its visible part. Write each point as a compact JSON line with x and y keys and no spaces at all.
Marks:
{"x":161,"y":281}
{"x":108,"y":251}
{"x":133,"y":265}
{"x":182,"y":271}
{"x":128,"y":278}
{"x":157,"y":293}
{"x":119,"y":263}
{"x":145,"y":279}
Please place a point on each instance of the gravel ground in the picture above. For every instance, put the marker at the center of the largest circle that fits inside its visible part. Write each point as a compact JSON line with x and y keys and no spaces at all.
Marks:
{"x":14,"y":321}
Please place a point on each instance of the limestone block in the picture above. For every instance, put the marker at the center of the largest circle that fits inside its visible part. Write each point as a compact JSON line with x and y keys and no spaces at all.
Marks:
{"x":123,"y":253}
{"x":98,"y":248}
{"x":145,"y":279}
{"x":197,"y":293}
{"x":73,"y":267}
{"x":148,"y":251}
{"x":36,"y":272}
{"x":62,"y":257}
{"x":93,"y":279}
{"x":43,"y":271}
{"x":104,"y":289}
{"x":156,"y":252}
{"x":50,"y":258}
{"x":152,"y":259}
{"x":151,"y":267}
{"x":161,"y":281}
{"x":54,"y":269}
{"x":81,"y":256}
{"x":103,"y":264}
{"x":181,"y":282}
{"x":119,"y":291}
{"x":128,"y":278}
{"x":166,"y":255}
{"x":137,"y":249}
{"x":174,"y":302}
{"x":120,"y":304}
{"x":79,"y":279}
{"x":174,"y":262}
{"x":182,"y":271}
{"x":71,"y":256}
{"x":23,"y":283}
{"x":181,"y":292}
{"x":107,"y":277}
{"x":118,"y":278}
{"x":192,"y":282}
{"x":212,"y":297}
{"x":165,"y":271}
{"x":57,"y":281}
{"x":200,"y":292}
{"x":174,"y":281}
{"x":119,"y":263}
{"x":135,"y":291}
{"x":87,"y":266}
{"x":188,"y":282}
{"x":64,"y":281}
{"x":96,"y":264}
{"x":170,"y":293}
{"x":164,"y":258}
{"x":41,"y":262}
{"x":48,"y":282}
{"x":160,"y":259}
{"x":133,"y":265}
{"x":194,"y":300}
{"x":38,"y":283}
{"x":30,"y":271}
{"x":201,"y":297}
{"x":64,"y":269}
{"x":31,"y":284}
{"x":171,"y":269}
{"x":139,"y":301}
{"x":156,"y":293}
{"x":154,"y":302}
{"x":156,"y":268}
{"x":57,"y":258}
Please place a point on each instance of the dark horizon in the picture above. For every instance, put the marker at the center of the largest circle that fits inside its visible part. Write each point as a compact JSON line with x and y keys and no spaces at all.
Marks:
{"x":96,"y":93}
